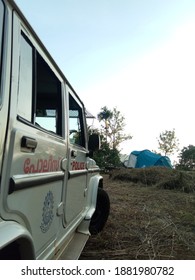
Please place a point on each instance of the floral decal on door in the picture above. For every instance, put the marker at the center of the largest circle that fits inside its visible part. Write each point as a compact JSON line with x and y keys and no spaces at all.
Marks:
{"x":47,"y":215}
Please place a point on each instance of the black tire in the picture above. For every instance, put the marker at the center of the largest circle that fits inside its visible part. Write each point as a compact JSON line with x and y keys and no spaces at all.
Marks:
{"x":101,"y":213}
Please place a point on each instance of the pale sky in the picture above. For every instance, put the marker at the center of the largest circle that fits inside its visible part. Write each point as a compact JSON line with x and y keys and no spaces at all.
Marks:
{"x":136,"y":55}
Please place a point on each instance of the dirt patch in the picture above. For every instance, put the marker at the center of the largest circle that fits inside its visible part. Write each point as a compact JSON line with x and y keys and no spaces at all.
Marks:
{"x":152,"y":216}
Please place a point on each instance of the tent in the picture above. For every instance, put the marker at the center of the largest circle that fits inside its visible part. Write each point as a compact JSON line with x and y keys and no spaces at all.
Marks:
{"x":146,"y":158}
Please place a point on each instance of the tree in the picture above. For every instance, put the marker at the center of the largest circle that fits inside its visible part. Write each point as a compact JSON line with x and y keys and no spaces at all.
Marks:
{"x":104,"y":116}
{"x":112,"y":123}
{"x":106,"y":157}
{"x":187,"y":158}
{"x":168,"y":143}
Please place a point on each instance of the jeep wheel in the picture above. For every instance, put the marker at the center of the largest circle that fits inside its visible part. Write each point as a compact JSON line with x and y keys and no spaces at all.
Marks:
{"x":101,"y":213}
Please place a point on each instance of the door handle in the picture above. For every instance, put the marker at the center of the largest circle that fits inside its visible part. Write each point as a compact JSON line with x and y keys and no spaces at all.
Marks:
{"x":28,"y":142}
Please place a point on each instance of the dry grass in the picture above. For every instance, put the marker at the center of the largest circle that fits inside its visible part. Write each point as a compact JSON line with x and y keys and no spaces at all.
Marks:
{"x":152,"y":217}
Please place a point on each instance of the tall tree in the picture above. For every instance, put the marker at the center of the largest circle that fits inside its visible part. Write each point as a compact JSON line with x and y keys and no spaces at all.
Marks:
{"x":104,"y":117}
{"x":187,"y":158}
{"x":113,"y":123}
{"x":168,"y":142}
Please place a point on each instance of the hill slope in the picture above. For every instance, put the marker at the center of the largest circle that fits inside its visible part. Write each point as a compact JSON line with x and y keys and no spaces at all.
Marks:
{"x":152,"y":216}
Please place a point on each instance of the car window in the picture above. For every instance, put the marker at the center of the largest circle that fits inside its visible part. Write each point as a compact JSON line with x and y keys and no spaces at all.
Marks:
{"x":76,"y":127}
{"x":39,"y":89}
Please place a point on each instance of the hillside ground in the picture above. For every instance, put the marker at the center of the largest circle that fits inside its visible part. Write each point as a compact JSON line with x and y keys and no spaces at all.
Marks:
{"x":152,"y":216}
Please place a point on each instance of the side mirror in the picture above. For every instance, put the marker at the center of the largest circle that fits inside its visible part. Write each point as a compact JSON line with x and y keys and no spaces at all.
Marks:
{"x":94,"y":142}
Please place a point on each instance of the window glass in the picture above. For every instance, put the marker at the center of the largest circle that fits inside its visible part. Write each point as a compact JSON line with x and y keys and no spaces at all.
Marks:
{"x":76,"y":129}
{"x":48,"y":104}
{"x":25,"y":80}
{"x":39,"y":94}
{"x":1,"y":35}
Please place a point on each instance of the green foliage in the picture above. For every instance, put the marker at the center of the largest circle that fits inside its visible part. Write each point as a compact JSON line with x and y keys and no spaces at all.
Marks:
{"x":107,"y":157}
{"x":105,"y":114}
{"x":112,"y":123}
{"x":168,"y":143}
{"x":111,"y":134}
{"x":187,"y":158}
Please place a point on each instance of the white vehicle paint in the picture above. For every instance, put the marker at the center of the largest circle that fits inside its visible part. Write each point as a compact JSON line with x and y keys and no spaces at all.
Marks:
{"x":49,"y":186}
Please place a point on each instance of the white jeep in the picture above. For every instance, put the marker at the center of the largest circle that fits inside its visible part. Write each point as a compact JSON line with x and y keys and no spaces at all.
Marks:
{"x":51,"y":192}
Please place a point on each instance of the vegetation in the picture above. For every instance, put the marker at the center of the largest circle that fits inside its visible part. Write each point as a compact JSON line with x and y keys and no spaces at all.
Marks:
{"x":160,"y":177}
{"x":107,"y":157}
{"x":111,"y":133}
{"x":113,"y":123}
{"x":187,"y":158}
{"x":152,"y":216}
{"x":168,"y":143}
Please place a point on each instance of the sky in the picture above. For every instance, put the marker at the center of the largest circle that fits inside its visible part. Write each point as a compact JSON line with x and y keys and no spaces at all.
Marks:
{"x":135,"y":55}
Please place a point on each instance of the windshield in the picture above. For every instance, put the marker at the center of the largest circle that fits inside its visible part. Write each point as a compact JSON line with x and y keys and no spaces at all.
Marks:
{"x":1,"y":36}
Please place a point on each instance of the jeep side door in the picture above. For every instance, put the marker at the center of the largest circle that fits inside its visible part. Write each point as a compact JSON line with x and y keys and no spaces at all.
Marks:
{"x":76,"y":192}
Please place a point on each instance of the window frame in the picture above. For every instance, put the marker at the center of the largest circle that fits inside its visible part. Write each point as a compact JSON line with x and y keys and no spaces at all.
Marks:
{"x":38,"y":58}
{"x":57,"y":94}
{"x":30,"y":95}
{"x":1,"y":48}
{"x":81,"y":120}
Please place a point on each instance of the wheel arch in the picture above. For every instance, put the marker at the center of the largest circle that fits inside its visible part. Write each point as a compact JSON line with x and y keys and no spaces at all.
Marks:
{"x":95,"y":182}
{"x":15,"y":242}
